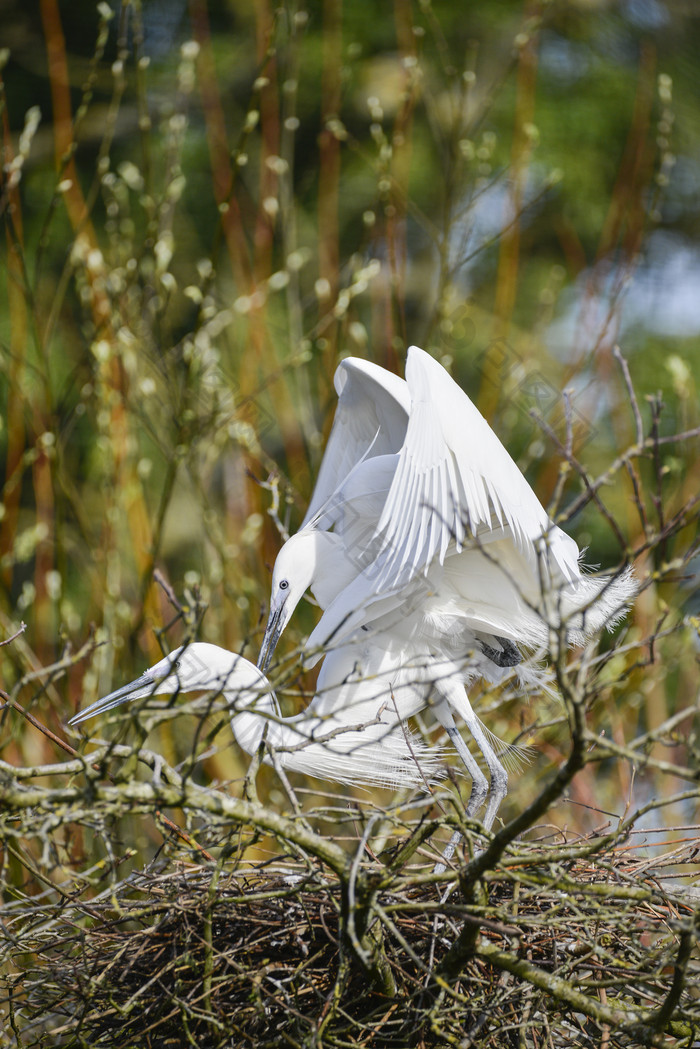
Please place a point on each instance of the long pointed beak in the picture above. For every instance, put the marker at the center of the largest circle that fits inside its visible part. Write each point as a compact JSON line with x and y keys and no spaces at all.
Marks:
{"x":133,"y":690}
{"x":273,"y":630}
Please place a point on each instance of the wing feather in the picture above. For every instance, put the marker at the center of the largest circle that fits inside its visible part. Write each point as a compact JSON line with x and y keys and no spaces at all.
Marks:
{"x":454,"y":476}
{"x":370,"y":420}
{"x":453,"y":490}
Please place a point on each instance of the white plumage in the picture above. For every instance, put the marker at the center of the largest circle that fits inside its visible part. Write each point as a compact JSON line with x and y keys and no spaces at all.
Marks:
{"x":352,"y":740}
{"x":431,"y":556}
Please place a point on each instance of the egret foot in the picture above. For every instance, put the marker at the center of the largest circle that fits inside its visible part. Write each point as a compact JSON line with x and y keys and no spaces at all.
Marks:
{"x":508,"y":655}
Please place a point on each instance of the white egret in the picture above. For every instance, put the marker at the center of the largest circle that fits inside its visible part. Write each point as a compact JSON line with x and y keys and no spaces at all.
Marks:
{"x":352,"y":737}
{"x":423,"y":536}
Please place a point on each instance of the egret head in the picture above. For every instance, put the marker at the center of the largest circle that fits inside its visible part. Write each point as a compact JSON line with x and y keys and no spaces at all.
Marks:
{"x":293,"y":574}
{"x":185,"y":669}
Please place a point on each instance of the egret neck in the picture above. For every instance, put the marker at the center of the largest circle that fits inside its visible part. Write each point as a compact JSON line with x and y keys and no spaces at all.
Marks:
{"x":310,"y":559}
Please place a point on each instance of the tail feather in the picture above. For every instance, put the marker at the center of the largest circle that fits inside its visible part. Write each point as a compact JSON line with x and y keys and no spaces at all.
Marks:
{"x":392,"y":758}
{"x":513,"y":756}
{"x":595,"y":602}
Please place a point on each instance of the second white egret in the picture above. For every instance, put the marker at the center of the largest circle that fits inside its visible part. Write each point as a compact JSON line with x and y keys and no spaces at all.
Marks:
{"x":348,"y":734}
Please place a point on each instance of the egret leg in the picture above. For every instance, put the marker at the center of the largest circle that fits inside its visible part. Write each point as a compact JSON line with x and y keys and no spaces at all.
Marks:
{"x":480,"y":786}
{"x":456,"y":695}
{"x":499,"y":776}
{"x":448,"y":852}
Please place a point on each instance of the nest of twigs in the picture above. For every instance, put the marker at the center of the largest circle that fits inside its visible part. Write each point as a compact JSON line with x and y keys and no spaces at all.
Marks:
{"x":544,"y":951}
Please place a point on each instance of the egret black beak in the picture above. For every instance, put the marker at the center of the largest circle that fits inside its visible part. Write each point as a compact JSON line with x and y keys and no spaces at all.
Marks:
{"x":273,"y":630}
{"x":114,"y":699}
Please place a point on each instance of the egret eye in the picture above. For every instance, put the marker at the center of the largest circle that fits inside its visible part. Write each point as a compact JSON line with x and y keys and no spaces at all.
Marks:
{"x":284,"y":583}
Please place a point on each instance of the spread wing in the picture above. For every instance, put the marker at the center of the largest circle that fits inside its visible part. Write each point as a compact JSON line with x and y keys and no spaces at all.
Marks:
{"x":455,"y":480}
{"x":454,"y":492}
{"x":370,"y":420}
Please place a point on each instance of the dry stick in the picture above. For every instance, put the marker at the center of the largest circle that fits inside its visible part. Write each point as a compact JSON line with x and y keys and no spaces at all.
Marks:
{"x":140,"y":796}
{"x":407,"y":738}
{"x":17,"y":633}
{"x":13,"y":704}
{"x":634,"y":403}
{"x":635,"y":451}
{"x":351,"y":899}
{"x":591,"y":487}
{"x":42,"y":878}
{"x":55,"y":739}
{"x":288,"y":789}
{"x":165,"y":586}
{"x":465,"y":944}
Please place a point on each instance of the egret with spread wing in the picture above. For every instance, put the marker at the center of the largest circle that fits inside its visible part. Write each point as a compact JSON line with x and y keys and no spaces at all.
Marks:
{"x":348,"y":733}
{"x":424,"y":537}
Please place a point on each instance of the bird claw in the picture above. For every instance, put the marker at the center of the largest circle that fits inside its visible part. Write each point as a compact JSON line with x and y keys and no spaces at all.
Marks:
{"x":509,"y":655}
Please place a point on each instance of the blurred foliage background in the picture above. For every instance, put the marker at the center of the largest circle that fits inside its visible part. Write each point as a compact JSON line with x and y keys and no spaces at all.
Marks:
{"x":208,"y":203}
